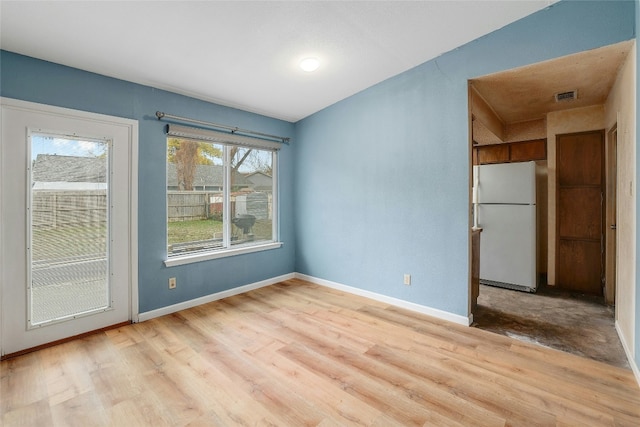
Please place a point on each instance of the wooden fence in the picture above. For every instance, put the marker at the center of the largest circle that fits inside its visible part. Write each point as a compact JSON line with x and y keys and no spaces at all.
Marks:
{"x":194,"y":205}
{"x":188,"y":206}
{"x":52,"y":209}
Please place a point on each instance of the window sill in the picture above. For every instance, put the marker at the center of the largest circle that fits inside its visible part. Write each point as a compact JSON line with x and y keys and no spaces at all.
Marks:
{"x":206,"y":256}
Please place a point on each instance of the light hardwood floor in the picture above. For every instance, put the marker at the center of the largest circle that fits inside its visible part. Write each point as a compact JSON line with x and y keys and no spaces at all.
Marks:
{"x":297,"y":354}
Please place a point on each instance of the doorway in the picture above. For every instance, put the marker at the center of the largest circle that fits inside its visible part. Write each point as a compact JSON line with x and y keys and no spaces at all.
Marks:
{"x":610,"y":228}
{"x":528,"y":104}
{"x":68,"y":223}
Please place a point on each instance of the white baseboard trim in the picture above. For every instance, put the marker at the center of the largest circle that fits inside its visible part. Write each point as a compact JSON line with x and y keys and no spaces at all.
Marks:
{"x":629,"y":353}
{"x":147,"y":315}
{"x":440,"y":314}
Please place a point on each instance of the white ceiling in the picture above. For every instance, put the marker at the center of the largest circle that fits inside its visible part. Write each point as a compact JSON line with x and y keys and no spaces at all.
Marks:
{"x":244,"y":54}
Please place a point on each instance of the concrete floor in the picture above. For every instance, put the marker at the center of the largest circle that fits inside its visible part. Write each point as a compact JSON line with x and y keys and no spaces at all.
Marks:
{"x":574,"y":323}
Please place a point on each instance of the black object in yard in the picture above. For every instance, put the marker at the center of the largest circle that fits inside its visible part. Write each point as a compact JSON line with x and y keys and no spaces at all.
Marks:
{"x":245,"y":222}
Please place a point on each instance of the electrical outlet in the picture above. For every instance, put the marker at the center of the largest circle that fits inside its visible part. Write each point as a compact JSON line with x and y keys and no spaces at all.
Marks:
{"x":172,"y":283}
{"x":407,"y":279}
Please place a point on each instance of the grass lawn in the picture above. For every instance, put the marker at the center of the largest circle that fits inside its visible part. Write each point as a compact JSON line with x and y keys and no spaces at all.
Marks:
{"x":192,"y":231}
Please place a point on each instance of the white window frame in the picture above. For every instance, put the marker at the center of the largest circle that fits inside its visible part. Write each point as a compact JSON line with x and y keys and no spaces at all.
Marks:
{"x":228,"y":141}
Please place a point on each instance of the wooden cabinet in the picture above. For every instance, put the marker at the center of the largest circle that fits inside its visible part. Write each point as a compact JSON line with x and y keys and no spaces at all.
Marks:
{"x":493,"y":154}
{"x":528,"y":150}
{"x":510,"y":152}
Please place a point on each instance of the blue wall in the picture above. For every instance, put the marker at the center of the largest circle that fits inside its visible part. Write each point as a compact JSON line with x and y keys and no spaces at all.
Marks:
{"x":38,"y":81}
{"x":382,"y":178}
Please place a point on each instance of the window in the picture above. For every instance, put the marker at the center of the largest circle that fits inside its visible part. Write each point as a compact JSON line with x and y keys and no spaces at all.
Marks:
{"x":221,"y":195}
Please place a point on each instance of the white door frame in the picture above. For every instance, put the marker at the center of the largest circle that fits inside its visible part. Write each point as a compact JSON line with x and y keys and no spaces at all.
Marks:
{"x":132,"y":130}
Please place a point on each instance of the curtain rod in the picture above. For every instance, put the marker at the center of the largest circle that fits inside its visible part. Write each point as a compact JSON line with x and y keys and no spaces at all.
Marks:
{"x":160,"y":115}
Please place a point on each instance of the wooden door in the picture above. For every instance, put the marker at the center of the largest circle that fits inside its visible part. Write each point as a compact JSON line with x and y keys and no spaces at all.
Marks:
{"x":579,"y":212}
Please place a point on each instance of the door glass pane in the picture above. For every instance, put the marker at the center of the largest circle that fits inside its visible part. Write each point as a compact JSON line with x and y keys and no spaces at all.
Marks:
{"x":69,"y":228}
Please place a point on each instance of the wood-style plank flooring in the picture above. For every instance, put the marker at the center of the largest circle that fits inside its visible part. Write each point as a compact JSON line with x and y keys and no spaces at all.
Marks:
{"x":297,"y":354}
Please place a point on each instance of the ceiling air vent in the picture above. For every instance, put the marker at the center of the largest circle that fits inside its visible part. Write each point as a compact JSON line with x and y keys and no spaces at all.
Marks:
{"x":567,"y":96}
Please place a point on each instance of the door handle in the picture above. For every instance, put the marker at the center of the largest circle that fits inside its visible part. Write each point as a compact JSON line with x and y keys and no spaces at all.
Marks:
{"x":613,"y":227}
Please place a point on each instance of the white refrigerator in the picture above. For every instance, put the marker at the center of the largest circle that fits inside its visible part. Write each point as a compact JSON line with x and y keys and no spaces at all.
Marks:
{"x":505,"y":208}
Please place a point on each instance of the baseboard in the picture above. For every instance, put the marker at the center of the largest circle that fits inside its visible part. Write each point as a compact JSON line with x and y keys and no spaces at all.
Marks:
{"x":213,"y":297}
{"x":440,"y":314}
{"x":629,"y":353}
{"x":434,"y":312}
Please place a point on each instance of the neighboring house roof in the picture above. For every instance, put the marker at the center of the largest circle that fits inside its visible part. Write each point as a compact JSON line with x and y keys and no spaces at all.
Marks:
{"x":61,"y":170}
{"x":260,"y":180}
{"x":206,"y":175}
{"x":54,"y":168}
{"x":257,"y":175}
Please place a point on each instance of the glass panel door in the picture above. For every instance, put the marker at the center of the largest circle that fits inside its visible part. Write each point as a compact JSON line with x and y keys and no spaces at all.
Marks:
{"x":68,"y":197}
{"x":68,"y":229}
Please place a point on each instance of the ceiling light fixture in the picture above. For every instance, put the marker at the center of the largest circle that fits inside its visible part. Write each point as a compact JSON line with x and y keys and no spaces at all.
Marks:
{"x":309,"y":64}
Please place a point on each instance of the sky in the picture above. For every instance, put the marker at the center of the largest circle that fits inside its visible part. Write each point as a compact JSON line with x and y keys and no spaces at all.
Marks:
{"x":66,"y":146}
